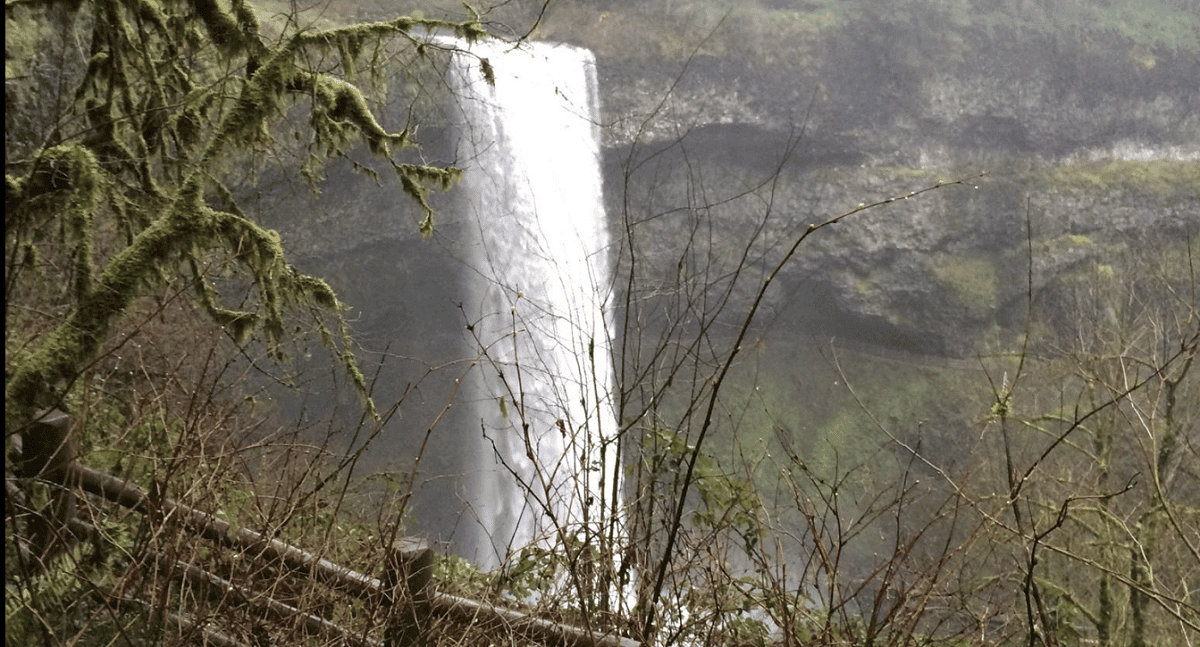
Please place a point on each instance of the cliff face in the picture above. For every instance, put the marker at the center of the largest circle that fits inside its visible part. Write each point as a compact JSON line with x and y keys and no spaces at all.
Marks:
{"x":1031,"y":99}
{"x":729,"y":156}
{"x":1071,"y":149}
{"x":913,"y":75}
{"x":1073,"y":143}
{"x":928,"y":274}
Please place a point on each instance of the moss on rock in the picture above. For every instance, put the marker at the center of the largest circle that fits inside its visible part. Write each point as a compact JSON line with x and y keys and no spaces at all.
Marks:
{"x":971,"y":279}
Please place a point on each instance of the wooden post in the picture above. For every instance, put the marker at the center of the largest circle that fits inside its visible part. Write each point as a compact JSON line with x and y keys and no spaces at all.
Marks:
{"x":410,"y":566}
{"x":409,"y":589}
{"x":244,"y":539}
{"x":46,"y":455}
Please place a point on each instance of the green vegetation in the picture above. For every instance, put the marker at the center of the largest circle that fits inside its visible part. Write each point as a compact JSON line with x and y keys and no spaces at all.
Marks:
{"x":160,"y":177}
{"x":790,"y":33}
{"x":1044,"y":494}
{"x":138,"y":288}
{"x":858,"y":453}
{"x":971,"y":278}
{"x":1161,"y":178}
{"x":1154,"y":24}
{"x":909,"y":174}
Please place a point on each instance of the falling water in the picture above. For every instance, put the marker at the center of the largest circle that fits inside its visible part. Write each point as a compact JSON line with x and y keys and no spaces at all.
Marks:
{"x":539,"y":281}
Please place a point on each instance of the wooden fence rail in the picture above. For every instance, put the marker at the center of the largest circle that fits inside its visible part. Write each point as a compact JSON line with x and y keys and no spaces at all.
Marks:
{"x":409,"y":564}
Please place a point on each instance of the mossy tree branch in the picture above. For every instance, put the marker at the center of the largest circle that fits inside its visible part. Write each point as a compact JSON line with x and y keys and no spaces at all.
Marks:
{"x":166,"y":96}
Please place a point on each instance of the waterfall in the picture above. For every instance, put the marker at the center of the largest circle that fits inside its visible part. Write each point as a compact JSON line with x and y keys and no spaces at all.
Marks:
{"x":544,"y":467}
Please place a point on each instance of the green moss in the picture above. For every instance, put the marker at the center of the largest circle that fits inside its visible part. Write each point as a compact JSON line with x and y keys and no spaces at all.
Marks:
{"x":1055,"y":247}
{"x":24,"y":39}
{"x":862,"y":286}
{"x":827,"y":14}
{"x":874,"y":280}
{"x":1152,"y":23}
{"x":909,"y":174}
{"x":970,"y":278}
{"x":1078,"y":240}
{"x":1162,"y":178}
{"x":415,"y":179}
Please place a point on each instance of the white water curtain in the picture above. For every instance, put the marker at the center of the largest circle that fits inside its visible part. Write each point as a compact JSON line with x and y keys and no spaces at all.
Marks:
{"x":538,"y":288}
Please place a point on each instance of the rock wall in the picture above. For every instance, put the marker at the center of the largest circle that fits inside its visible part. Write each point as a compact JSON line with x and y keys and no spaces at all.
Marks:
{"x":928,"y":274}
{"x":1074,"y":144}
{"x":886,"y":84}
{"x":1085,"y":143}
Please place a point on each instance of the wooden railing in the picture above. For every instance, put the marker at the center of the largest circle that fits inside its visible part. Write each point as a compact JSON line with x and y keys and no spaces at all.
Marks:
{"x":406,"y":582}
